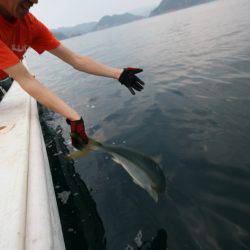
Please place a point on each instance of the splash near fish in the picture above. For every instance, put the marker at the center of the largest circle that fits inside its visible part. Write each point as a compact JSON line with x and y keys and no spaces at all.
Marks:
{"x":144,"y":170}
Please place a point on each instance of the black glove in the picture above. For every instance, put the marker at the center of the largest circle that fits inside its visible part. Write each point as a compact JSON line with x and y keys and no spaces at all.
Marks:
{"x":130,"y":80}
{"x":78,"y":134}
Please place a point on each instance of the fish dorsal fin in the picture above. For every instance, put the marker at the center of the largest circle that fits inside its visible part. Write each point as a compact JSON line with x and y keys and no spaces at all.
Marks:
{"x":157,"y":158}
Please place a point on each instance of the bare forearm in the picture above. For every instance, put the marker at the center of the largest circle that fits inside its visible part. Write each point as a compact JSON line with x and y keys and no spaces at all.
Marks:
{"x":85,"y":64}
{"x":43,"y":95}
{"x":93,"y":67}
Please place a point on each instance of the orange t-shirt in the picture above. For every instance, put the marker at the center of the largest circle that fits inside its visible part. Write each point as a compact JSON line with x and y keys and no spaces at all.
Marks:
{"x":16,"y":38}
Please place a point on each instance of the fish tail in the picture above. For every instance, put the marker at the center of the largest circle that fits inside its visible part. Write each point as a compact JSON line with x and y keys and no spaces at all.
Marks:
{"x":90,"y":147}
{"x":77,"y":154}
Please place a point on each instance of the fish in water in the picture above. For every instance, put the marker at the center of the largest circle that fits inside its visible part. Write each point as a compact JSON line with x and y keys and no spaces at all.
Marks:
{"x":144,"y":170}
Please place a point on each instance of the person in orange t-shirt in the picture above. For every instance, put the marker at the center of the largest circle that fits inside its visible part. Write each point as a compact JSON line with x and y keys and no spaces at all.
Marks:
{"x":20,"y":30}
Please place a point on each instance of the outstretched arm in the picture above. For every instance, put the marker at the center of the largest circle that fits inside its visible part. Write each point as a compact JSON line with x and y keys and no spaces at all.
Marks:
{"x":85,"y":64}
{"x":126,"y":76}
{"x":41,"y":93}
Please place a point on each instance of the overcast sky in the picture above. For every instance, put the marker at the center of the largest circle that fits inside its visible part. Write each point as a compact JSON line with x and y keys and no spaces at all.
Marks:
{"x":58,"y":13}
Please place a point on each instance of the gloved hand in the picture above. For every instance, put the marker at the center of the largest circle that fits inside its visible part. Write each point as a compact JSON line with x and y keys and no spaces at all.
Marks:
{"x":78,"y":134}
{"x":130,"y":80}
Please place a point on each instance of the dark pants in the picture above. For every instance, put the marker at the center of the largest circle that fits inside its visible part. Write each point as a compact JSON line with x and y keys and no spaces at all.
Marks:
{"x":4,"y":86}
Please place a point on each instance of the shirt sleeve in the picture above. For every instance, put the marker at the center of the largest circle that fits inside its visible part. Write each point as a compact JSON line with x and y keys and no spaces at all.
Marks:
{"x":7,"y":57}
{"x":43,"y":39}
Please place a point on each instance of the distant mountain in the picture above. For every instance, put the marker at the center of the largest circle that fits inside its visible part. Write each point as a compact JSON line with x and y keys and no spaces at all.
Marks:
{"x":143,"y":11}
{"x":80,"y":29}
{"x":59,"y":35}
{"x":171,"y":5}
{"x":110,"y":21}
{"x":105,"y":22}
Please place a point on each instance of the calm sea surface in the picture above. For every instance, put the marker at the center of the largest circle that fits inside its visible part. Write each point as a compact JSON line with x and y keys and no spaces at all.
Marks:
{"x":193,"y":116}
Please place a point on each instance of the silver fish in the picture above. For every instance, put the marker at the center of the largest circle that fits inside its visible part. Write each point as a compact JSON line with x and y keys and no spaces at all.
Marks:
{"x":144,"y":170}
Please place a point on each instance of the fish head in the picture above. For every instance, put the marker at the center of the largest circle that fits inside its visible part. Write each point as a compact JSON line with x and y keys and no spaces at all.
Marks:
{"x":144,"y":170}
